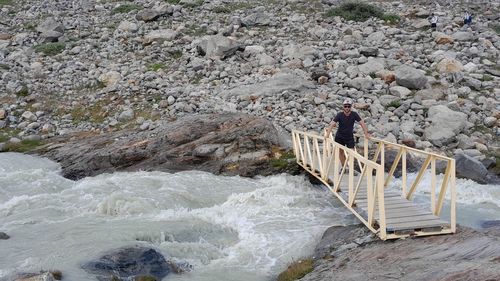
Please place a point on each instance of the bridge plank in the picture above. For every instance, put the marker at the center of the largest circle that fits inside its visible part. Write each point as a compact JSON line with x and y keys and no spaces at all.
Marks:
{"x":416,"y":225}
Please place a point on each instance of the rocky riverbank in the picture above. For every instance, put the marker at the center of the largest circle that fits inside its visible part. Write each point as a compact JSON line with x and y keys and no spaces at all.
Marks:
{"x":352,"y":253}
{"x":98,"y":66}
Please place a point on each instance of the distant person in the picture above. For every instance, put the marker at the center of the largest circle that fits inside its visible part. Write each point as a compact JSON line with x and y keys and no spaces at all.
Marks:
{"x":345,"y":120}
{"x":434,"y":20}
{"x":467,"y":19}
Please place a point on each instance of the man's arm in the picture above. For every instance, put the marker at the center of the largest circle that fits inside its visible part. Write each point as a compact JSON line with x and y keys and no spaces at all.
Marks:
{"x":329,"y":129}
{"x":365,"y":128}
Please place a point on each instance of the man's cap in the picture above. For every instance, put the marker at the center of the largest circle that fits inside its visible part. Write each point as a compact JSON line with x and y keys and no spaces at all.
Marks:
{"x":347,"y":101}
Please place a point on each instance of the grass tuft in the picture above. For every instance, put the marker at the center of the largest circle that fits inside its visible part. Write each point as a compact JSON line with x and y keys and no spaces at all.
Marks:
{"x":355,"y":11}
{"x":156,"y":66}
{"x":390,"y":18}
{"x":6,"y":2}
{"x":23,"y":146}
{"x":496,"y":28}
{"x":394,"y":103}
{"x":50,"y":49}
{"x":296,"y":270}
{"x":126,"y":8}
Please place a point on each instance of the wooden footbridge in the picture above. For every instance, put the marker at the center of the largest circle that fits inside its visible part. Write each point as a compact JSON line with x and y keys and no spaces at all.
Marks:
{"x":362,"y":184}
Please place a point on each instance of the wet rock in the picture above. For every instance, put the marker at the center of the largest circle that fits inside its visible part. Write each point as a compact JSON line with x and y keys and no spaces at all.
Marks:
{"x":42,"y":276}
{"x":129,"y":263}
{"x":413,"y":164}
{"x":490,"y":224}
{"x":4,"y":236}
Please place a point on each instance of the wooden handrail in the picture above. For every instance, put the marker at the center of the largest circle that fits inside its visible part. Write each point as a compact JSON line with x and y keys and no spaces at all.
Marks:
{"x":318,"y":155}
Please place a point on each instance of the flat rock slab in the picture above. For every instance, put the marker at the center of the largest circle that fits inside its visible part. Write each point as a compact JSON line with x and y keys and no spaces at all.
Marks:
{"x":351,"y":253}
{"x":233,"y":144}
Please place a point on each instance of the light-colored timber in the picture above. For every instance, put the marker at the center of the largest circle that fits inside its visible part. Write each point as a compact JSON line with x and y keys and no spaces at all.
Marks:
{"x":362,"y":184}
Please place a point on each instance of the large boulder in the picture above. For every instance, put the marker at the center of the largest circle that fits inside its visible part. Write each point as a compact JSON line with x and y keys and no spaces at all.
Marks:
{"x":470,"y":168}
{"x":446,"y":124}
{"x":413,"y":164}
{"x":128,"y":263}
{"x":410,"y":77}
{"x":230,"y":143}
{"x":218,"y":46}
{"x":273,"y":86}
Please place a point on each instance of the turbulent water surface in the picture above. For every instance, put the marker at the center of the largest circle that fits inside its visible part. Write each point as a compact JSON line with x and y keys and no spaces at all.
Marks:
{"x":227,"y":228}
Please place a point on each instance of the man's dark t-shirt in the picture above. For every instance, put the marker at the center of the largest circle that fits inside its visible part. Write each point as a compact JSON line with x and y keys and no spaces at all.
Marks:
{"x":344,"y":133}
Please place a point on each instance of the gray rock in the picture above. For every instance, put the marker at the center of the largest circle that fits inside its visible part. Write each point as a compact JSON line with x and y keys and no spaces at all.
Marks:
{"x":445,"y":125}
{"x":410,"y":77}
{"x":372,"y":66}
{"x":50,"y":24}
{"x":126,"y":115}
{"x":368,"y":51}
{"x":160,"y":36}
{"x":470,"y":168}
{"x":256,"y":19}
{"x":4,"y":236}
{"x":148,"y":15}
{"x":218,"y":46}
{"x":360,"y":83}
{"x":128,"y":26}
{"x":490,"y":121}
{"x":463,"y":36}
{"x":400,"y":91}
{"x":273,"y":86}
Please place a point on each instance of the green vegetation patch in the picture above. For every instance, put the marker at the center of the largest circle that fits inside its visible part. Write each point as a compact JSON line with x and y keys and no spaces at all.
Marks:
{"x":356,"y":11}
{"x":23,"y":146}
{"x":156,"y":66}
{"x":4,"y":66}
{"x":283,"y":160}
{"x":126,"y":8}
{"x":6,"y":2}
{"x":487,"y":77}
{"x":394,"y":103}
{"x":296,"y":270}
{"x":173,"y":2}
{"x":391,"y":18}
{"x":496,"y":28}
{"x":50,"y":49}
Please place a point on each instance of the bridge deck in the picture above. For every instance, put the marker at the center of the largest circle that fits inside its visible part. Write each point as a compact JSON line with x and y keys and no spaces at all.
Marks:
{"x":401,"y":215}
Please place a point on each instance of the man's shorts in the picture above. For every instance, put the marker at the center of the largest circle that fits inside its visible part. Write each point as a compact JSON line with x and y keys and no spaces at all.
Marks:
{"x":349,"y":142}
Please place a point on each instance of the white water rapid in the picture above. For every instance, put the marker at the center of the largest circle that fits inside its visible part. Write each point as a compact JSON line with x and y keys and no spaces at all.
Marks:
{"x":227,"y":228}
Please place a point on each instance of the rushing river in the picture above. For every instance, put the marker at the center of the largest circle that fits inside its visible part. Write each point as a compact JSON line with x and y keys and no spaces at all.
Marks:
{"x":227,"y":228}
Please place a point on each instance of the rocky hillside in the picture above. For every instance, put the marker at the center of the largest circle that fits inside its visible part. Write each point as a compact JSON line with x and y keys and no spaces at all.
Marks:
{"x":100,"y":66}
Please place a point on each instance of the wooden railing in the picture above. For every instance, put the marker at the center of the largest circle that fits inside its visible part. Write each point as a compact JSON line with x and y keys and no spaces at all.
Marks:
{"x":448,"y":183}
{"x":321,"y":157}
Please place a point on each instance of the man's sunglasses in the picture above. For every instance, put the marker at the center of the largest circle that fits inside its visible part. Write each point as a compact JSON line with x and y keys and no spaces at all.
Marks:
{"x":347,"y":106}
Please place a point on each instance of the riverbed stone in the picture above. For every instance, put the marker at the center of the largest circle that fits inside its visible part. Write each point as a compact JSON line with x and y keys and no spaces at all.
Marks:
{"x":129,"y":262}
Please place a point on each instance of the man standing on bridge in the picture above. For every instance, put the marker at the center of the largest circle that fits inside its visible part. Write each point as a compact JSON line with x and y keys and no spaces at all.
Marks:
{"x":345,"y":120}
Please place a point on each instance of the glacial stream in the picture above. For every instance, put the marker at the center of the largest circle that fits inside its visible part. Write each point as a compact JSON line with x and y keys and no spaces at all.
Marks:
{"x":227,"y":228}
